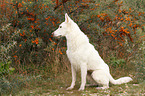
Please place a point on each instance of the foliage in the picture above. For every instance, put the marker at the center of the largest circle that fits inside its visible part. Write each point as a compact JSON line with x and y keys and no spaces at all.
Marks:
{"x":114,"y":62}
{"x":15,"y":84}
{"x":115,"y":29}
{"x":111,"y":25}
{"x":140,"y":67}
{"x":5,"y":68}
{"x":35,"y":20}
{"x":5,"y":58}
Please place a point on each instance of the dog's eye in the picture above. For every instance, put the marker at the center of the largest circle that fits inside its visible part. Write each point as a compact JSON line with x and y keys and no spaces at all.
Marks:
{"x":60,"y":26}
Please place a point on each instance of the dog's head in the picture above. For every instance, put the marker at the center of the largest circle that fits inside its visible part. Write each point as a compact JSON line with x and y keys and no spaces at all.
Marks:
{"x":64,"y":27}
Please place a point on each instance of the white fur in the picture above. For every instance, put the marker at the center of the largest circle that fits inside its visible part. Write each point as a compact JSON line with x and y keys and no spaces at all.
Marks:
{"x":84,"y":57}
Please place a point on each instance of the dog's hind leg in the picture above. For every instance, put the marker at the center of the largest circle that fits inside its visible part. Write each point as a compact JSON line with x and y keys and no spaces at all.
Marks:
{"x":100,"y":76}
{"x":90,"y":80}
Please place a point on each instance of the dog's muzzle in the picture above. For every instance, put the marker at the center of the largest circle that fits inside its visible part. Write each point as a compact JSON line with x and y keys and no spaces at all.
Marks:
{"x":56,"y":35}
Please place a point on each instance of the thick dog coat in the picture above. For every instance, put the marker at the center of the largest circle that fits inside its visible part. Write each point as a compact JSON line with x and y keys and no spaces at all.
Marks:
{"x":83,"y":56}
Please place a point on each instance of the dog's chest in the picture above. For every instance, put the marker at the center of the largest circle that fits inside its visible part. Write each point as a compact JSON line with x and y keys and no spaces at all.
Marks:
{"x":74,"y":59}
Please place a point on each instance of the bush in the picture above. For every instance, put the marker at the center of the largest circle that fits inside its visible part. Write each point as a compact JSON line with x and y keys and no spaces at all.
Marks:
{"x":5,"y":58}
{"x":34,"y":20}
{"x":5,"y":68}
{"x":115,"y":63}
{"x":114,"y":26}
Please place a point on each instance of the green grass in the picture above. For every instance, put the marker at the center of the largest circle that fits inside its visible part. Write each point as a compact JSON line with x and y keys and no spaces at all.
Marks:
{"x":42,"y":81}
{"x":56,"y":86}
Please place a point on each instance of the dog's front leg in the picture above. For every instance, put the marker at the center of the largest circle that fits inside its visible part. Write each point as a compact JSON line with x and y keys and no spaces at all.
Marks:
{"x":83,"y":77}
{"x":73,"y":78}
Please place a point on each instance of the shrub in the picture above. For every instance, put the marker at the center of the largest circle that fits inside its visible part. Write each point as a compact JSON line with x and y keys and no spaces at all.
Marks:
{"x":114,"y":62}
{"x":32,"y":23}
{"x":115,"y":28}
{"x":5,"y":58}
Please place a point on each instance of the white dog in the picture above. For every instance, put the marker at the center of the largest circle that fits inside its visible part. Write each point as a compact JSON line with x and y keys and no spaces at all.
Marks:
{"x":83,"y":56}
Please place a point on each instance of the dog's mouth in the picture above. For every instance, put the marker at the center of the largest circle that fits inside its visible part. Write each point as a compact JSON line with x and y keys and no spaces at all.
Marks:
{"x":58,"y":36}
{"x":54,"y":35}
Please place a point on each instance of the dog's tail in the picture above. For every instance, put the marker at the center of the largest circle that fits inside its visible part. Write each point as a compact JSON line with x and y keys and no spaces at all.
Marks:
{"x":120,"y":80}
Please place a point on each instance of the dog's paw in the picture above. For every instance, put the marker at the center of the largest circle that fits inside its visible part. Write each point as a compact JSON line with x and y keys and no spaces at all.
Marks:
{"x":81,"y":89}
{"x":69,"y":88}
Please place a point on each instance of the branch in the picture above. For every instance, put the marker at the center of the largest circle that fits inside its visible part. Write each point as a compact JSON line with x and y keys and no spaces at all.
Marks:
{"x":63,"y":1}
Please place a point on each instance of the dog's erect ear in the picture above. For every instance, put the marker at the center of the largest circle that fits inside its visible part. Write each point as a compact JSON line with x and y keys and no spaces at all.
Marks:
{"x":67,"y":18}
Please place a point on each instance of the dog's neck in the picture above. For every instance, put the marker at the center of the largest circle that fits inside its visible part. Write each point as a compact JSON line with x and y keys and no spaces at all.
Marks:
{"x":75,"y":39}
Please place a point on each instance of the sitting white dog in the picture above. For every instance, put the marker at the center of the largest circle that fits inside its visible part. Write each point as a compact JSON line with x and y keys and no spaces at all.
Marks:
{"x":83,"y":56}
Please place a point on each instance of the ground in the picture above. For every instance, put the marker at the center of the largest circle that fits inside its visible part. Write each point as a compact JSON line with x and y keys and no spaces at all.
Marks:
{"x":122,"y":90}
{"x":57,"y":87}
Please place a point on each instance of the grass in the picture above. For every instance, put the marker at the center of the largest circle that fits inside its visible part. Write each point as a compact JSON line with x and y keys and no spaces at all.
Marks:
{"x":56,"y":86}
{"x":43,"y":80}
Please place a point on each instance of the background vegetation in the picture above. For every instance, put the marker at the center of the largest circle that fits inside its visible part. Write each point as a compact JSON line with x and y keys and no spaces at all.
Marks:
{"x":30,"y":57}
